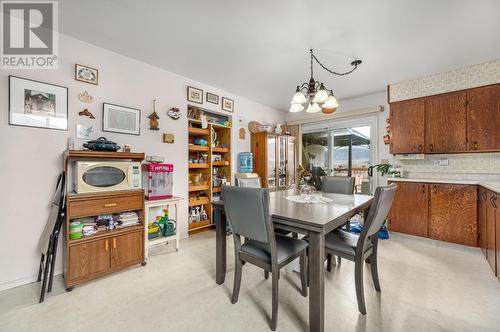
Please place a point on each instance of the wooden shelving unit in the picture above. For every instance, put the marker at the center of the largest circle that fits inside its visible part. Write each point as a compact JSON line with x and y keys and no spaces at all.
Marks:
{"x":106,"y":251}
{"x":202,"y":195}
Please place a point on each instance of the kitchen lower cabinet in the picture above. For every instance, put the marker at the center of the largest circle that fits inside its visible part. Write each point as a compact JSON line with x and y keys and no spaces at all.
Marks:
{"x":453,"y":213}
{"x":491,"y":229}
{"x":409,"y":213}
{"x":482,"y":206}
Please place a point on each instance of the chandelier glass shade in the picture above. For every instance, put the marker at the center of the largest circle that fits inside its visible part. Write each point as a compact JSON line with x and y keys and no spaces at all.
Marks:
{"x":313,"y":96}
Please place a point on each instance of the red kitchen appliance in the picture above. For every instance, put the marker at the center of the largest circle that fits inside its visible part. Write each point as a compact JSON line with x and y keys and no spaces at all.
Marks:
{"x":157,"y":180}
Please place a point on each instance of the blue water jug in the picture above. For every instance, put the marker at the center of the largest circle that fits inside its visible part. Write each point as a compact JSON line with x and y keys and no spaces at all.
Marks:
{"x":245,"y":162}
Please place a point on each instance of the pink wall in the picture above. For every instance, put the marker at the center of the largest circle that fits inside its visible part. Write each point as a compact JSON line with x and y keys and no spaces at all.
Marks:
{"x":31,"y":158}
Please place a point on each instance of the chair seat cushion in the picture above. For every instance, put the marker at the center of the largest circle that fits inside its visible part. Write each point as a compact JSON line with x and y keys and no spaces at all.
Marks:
{"x":343,"y":242}
{"x":286,"y":247}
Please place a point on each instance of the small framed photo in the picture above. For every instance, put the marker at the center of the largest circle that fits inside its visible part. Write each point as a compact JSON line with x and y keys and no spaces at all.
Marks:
{"x":212,"y":98}
{"x":227,"y":104}
{"x":121,"y":119}
{"x":86,"y":74}
{"x":195,"y":95}
{"x":84,"y":131}
{"x":37,"y":104}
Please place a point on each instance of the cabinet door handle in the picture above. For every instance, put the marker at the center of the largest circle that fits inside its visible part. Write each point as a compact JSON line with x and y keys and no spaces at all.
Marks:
{"x":106,"y":245}
{"x":110,"y":205}
{"x":431,"y":147}
{"x":435,"y":189}
{"x":420,"y":148}
{"x":423,"y":189}
{"x":475,"y":145}
{"x":114,"y":243}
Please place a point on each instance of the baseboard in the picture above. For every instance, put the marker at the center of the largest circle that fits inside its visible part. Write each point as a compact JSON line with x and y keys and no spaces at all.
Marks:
{"x":23,"y":281}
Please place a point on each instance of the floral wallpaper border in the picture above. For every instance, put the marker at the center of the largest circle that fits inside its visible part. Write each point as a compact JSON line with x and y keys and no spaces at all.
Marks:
{"x":485,"y":73}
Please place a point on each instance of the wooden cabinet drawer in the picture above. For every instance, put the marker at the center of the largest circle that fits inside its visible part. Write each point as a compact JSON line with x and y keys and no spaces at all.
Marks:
{"x":92,"y":205}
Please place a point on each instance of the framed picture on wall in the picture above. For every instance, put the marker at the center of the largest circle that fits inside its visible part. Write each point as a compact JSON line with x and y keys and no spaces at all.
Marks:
{"x":195,"y":95}
{"x":37,"y":104}
{"x":212,"y":98}
{"x":86,"y":74}
{"x":227,"y":104}
{"x":121,"y":119}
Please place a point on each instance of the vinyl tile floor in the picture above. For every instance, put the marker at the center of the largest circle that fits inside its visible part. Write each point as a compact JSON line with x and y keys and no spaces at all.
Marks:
{"x":426,"y":286}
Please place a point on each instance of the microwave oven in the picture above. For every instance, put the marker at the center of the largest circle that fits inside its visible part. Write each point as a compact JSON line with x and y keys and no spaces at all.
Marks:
{"x":99,"y":176}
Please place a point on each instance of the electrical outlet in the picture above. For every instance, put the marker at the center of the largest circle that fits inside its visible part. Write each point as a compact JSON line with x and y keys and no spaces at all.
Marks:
{"x":444,"y":162}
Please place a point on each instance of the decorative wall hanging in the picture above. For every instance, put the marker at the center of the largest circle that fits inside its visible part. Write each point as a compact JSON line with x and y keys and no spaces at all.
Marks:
{"x":85,"y":97}
{"x":227,"y":104}
{"x":86,"y":74}
{"x":211,"y":98}
{"x":174,"y":113}
{"x":84,"y":131}
{"x":242,"y":133}
{"x":86,"y":112}
{"x":37,"y":104}
{"x":121,"y":119}
{"x":153,"y":118}
{"x":168,"y":138}
{"x":195,"y":95}
{"x":315,"y":94}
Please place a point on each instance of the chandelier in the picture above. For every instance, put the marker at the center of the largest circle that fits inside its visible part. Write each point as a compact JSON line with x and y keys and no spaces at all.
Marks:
{"x":314,"y":95}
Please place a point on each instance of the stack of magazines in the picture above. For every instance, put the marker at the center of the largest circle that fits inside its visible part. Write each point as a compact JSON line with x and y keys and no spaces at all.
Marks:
{"x":127,"y":219}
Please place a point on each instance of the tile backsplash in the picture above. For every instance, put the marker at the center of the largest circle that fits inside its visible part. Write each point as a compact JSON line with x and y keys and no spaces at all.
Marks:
{"x":468,"y":166}
{"x":458,"y":79}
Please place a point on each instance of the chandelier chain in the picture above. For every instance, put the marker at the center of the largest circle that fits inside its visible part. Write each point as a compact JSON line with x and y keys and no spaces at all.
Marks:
{"x":329,"y":70}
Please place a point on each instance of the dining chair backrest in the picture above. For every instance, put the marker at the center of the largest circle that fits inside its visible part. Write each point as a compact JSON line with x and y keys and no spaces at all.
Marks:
{"x":247,"y":210}
{"x":382,"y":202}
{"x":338,"y":184}
{"x":248,"y":182}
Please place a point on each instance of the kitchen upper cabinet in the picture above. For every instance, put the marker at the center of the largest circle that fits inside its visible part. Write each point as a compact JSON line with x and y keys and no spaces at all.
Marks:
{"x":453,"y":213}
{"x":491,"y":230}
{"x":407,"y":126}
{"x":483,"y":118}
{"x":481,"y":218}
{"x":410,"y":208}
{"x":446,"y":123}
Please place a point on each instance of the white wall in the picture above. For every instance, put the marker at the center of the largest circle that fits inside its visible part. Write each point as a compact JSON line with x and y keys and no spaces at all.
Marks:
{"x":351,"y":106}
{"x":31,"y":158}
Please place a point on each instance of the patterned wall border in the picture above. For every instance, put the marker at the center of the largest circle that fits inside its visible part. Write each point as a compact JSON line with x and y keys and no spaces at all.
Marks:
{"x":459,"y":79}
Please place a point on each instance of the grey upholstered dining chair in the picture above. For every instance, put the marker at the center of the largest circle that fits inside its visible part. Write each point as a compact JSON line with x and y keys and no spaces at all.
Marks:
{"x":337,"y":184}
{"x":255,"y":183}
{"x":357,"y":248}
{"x":247,"y":210}
{"x":248,"y":182}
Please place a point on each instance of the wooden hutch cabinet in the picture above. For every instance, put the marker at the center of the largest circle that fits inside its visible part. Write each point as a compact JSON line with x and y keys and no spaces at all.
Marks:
{"x":275,"y":159}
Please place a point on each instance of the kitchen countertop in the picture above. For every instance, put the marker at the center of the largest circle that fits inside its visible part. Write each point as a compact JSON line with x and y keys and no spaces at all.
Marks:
{"x":488,"y":184}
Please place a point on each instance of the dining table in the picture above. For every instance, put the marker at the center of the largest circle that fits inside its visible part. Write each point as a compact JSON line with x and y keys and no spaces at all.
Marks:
{"x":314,"y":220}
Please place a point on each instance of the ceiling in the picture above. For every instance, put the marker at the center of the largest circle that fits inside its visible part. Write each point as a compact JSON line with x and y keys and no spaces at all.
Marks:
{"x":259,"y":49}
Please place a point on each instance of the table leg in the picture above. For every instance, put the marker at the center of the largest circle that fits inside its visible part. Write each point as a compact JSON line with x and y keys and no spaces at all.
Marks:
{"x":317,"y":282}
{"x":220,"y":244}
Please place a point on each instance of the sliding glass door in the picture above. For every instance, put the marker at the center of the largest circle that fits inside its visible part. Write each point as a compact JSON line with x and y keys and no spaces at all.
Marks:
{"x":342,"y":149}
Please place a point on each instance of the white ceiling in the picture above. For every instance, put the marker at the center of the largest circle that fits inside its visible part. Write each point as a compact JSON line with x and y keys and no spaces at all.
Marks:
{"x":259,"y":49}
